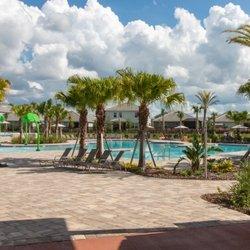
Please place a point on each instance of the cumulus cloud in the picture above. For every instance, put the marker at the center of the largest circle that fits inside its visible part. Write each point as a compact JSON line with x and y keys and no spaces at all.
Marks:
{"x":41,"y":48}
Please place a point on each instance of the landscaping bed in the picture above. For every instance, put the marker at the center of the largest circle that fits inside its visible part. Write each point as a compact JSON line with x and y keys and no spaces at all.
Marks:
{"x":224,"y":199}
{"x":186,"y":174}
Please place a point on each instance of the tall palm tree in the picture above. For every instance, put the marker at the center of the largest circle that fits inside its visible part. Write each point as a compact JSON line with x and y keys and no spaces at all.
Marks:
{"x":162,"y":119}
{"x":206,"y":99}
{"x":79,"y":95}
{"x":196,"y":109}
{"x":245,"y":90}
{"x":20,"y":110}
{"x":4,"y":86}
{"x":146,"y":88}
{"x":241,"y":35}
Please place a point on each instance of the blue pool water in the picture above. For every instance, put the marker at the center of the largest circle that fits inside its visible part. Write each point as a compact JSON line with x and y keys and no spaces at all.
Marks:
{"x":160,"y":151}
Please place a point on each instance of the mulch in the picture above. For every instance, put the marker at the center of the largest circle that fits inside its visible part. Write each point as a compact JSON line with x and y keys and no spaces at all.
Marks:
{"x":224,"y":199}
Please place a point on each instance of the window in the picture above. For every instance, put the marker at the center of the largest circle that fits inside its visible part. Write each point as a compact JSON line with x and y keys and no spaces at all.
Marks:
{"x":136,"y":114}
{"x":120,"y":114}
{"x":115,"y":115}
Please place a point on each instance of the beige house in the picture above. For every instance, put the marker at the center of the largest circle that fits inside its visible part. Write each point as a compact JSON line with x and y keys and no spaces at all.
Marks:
{"x":171,"y":120}
{"x":122,"y":116}
{"x":222,"y":121}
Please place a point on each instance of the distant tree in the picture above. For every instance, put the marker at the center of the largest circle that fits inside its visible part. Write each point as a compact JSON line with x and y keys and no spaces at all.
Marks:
{"x":206,"y":99}
{"x":196,"y":109}
{"x":4,"y":86}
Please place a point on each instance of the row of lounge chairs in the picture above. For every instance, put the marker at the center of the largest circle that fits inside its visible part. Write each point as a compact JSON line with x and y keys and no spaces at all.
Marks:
{"x":89,"y":162}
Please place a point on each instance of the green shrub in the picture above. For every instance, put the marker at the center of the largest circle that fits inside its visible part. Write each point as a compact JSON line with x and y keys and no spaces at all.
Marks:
{"x":186,"y":172}
{"x":241,"y":190}
{"x":32,"y":140}
{"x":222,"y":166}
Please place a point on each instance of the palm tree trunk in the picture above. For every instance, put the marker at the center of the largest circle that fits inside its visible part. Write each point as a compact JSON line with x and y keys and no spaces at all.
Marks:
{"x":83,"y":122}
{"x":21,"y":132}
{"x":197,"y":122}
{"x":100,"y":119}
{"x":143,"y":119}
{"x":56,"y":128}
{"x":205,"y":140}
{"x":46,"y":129}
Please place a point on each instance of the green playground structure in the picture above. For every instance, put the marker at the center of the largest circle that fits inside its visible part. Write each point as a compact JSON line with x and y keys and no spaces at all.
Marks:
{"x":31,"y":118}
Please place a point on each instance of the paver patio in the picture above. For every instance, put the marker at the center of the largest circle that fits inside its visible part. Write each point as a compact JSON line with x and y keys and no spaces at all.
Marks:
{"x":39,"y":204}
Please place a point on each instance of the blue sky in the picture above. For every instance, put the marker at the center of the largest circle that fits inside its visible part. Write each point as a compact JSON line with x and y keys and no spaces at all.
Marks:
{"x":155,"y":11}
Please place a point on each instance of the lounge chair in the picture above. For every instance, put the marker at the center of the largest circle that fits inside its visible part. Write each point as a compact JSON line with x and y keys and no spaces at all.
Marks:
{"x":89,"y":160}
{"x":64,"y":156}
{"x":245,"y":156}
{"x":115,"y":162}
{"x":74,"y":161}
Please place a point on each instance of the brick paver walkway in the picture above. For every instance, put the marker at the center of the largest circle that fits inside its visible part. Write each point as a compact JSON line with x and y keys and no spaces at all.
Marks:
{"x":43,"y":204}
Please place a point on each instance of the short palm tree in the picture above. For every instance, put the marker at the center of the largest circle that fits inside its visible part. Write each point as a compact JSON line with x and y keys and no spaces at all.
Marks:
{"x":59,"y":114}
{"x":213,"y":118}
{"x":241,"y":35}
{"x":79,"y":95}
{"x":196,"y":109}
{"x":245,"y":90}
{"x":20,"y":110}
{"x":146,"y":88}
{"x":180,"y":115}
{"x":206,"y":99}
{"x":45,"y":110}
{"x":238,"y":117}
{"x":4,"y":85}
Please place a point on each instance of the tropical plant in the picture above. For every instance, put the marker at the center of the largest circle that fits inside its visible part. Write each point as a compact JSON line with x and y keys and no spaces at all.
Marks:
{"x":222,"y":166}
{"x":237,"y":117}
{"x":102,"y":91}
{"x":180,"y":115}
{"x":245,"y":90}
{"x":241,"y":190}
{"x":196,"y":110}
{"x":195,"y":153}
{"x":206,"y":99}
{"x":241,"y":35}
{"x":20,"y":110}
{"x":162,"y":119}
{"x":213,"y":117}
{"x":80,"y":96}
{"x":45,"y":110}
{"x":4,"y":86}
{"x":146,"y":88}
{"x":59,"y":115}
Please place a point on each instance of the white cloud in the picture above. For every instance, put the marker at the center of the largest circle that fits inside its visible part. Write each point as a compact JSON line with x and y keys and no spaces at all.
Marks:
{"x":41,"y":48}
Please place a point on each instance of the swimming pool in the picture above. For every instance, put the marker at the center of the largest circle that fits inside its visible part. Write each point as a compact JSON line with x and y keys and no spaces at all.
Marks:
{"x":160,"y":151}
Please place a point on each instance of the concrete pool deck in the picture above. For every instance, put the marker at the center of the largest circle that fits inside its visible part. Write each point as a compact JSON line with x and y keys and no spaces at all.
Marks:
{"x":43,"y":204}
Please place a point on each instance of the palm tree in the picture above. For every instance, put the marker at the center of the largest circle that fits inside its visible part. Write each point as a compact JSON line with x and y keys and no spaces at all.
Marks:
{"x":245,"y":90}
{"x":4,"y":85}
{"x":45,"y":109}
{"x":213,"y":118}
{"x":206,"y":99}
{"x":146,"y":88}
{"x":196,"y":109}
{"x":242,"y":35}
{"x":21,"y":110}
{"x":79,"y":95}
{"x":238,"y":117}
{"x":180,"y":115}
{"x":59,"y":114}
{"x":163,"y":120}
{"x":101,"y":91}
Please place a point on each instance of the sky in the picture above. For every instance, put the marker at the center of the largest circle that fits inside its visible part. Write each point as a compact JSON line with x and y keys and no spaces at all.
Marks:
{"x":42,"y":43}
